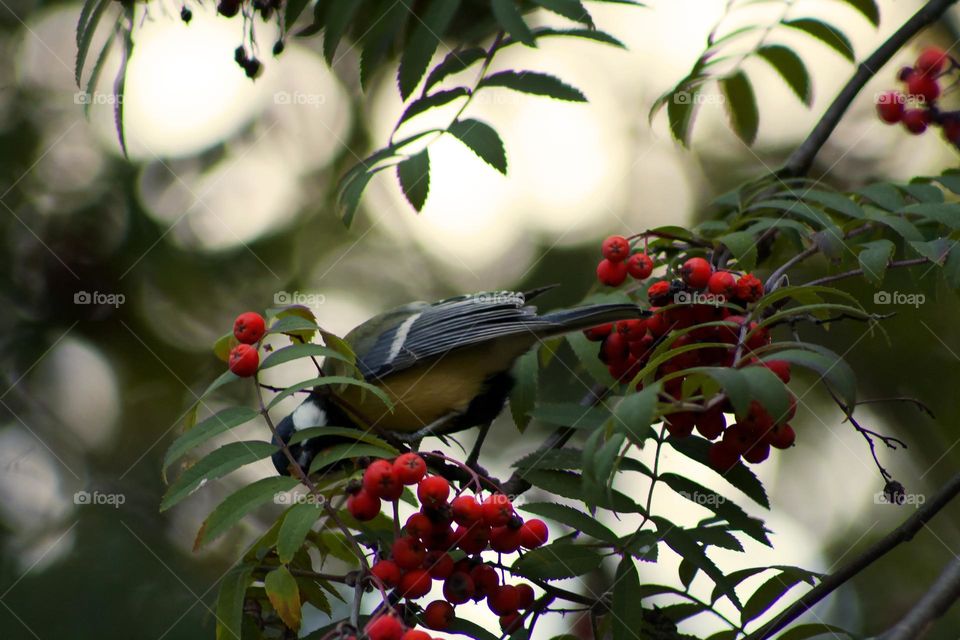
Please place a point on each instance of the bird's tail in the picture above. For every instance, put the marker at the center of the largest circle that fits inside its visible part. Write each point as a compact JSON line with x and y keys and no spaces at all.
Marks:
{"x":569,"y":320}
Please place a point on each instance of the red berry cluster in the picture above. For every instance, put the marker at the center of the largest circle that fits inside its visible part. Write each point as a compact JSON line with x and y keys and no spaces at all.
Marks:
{"x":244,"y":359}
{"x":617,"y":262}
{"x":422,"y":553}
{"x":918,"y":108}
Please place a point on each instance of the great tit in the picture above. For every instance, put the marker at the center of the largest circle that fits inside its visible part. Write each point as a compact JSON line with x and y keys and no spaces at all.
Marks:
{"x":446,"y":366}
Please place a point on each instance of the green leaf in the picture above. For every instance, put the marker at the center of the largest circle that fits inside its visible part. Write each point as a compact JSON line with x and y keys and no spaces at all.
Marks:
{"x":483,"y":140}
{"x":414,"y":176}
{"x":97,"y":70}
{"x":430,"y":28}
{"x":541,"y":84}
{"x":743,"y":246}
{"x":324,"y":381}
{"x":741,"y":106}
{"x":566,"y":458}
{"x":716,"y":537}
{"x":470,"y":629}
{"x":627,"y":616}
{"x":884,"y":195}
{"x":296,"y":525}
{"x":635,"y":414}
{"x":827,"y":364}
{"x":681,"y":110}
{"x":508,"y":17}
{"x":347,"y":451}
{"x":836,"y":201}
{"x":767,"y":595}
{"x":570,"y":9}
{"x":598,"y":469}
{"x":685,"y":546}
{"x":349,"y":432}
{"x":119,"y":83}
{"x":586,"y":353}
{"x":292,"y":324}
{"x":951,"y":268}
{"x":239,"y":504}
{"x":296,"y":351}
{"x":724,"y":508}
{"x":570,"y":485}
{"x":791,"y":68}
{"x":571,"y":414}
{"x":739,"y":476}
{"x":455,"y":62}
{"x":588,"y":34}
{"x":212,"y":426}
{"x":557,"y":561}
{"x":292,"y":11}
{"x":434,"y":100}
{"x":90,"y":16}
{"x":313,"y":593}
{"x":284,"y":595}
{"x":233,"y":589}
{"x":217,"y":464}
{"x":350,"y":194}
{"x":573,"y":518}
{"x":735,"y":578}
{"x":868,"y":8}
{"x":523,"y":396}
{"x":873,"y":259}
{"x":826,"y":33}
{"x":902,"y":226}
{"x":805,"y":631}
{"x":947,"y":214}
{"x":338,"y":17}
{"x":769,"y":390}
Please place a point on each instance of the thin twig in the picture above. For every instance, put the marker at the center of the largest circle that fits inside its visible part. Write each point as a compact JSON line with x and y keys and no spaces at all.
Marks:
{"x":895,"y":264}
{"x":934,"y":603}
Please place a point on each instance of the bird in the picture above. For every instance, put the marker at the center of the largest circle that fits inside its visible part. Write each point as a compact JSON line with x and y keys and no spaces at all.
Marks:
{"x":445,"y":366}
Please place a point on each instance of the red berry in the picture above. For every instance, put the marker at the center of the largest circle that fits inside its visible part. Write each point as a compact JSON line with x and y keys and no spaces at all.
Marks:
{"x":433,"y":491}
{"x":363,"y":506}
{"x":504,"y":539}
{"x":781,"y":436}
{"x":951,"y":129}
{"x":497,"y":510}
{"x":657,"y":323}
{"x":504,"y":600}
{"x":533,"y":533}
{"x":419,"y":526}
{"x":757,"y":453}
{"x":932,"y":60}
{"x":632,"y":330}
{"x":466,"y":510}
{"x":614,"y":348}
{"x":438,"y":615}
{"x":526,"y":594}
{"x":749,"y":288}
{"x":915,"y":120}
{"x":387,"y":571}
{"x":473,"y":539}
{"x":680,"y":424}
{"x":416,"y":634}
{"x":439,"y":564}
{"x":409,"y":468}
{"x":615,"y":248}
{"x":640,"y":266}
{"x":722,"y":455}
{"x":244,"y":360}
{"x":658,"y":294}
{"x":408,"y":552}
{"x":696,"y":272}
{"x":722,"y":283}
{"x":711,"y":423}
{"x":779,"y":367}
{"x":923,"y":87}
{"x":249,"y":327}
{"x":441,"y":538}
{"x":380,"y":480}
{"x":415,"y":584}
{"x":599,"y":332}
{"x":511,"y":622}
{"x":385,"y":627}
{"x":610,"y":273}
{"x":485,"y":581}
{"x":458,"y":588}
{"x":890,"y":106}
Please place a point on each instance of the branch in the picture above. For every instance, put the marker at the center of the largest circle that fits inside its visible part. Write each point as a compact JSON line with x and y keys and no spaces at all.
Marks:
{"x":934,"y":603}
{"x":904,"y":533}
{"x":799,"y":162}
{"x":895,"y":264}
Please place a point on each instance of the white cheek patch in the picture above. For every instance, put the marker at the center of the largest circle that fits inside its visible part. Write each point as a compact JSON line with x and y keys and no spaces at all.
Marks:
{"x":401,"y":337}
{"x":308,"y":414}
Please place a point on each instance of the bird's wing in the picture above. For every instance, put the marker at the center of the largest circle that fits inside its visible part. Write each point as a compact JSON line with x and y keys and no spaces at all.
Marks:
{"x":446,"y":325}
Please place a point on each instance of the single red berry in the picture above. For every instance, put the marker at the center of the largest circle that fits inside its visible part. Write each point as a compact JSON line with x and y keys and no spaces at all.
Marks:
{"x":497,"y":510}
{"x":915,"y":120}
{"x":757,"y":453}
{"x":711,"y":423}
{"x":615,"y":348}
{"x":416,"y":634}
{"x":779,"y":367}
{"x":758,"y":419}
{"x":923,"y":87}
{"x":633,"y":329}
{"x":244,"y":360}
{"x":380,"y":480}
{"x":485,"y":581}
{"x":526,"y":594}
{"x":458,"y":588}
{"x":533,"y":533}
{"x":442,"y":538}
{"x":657,"y":323}
{"x":387,"y":571}
{"x":408,"y":552}
{"x":439,"y":564}
{"x":658,"y":294}
{"x":415,"y":584}
{"x":749,"y":288}
{"x":696,"y":272}
{"x":722,"y":455}
{"x":384,"y":627}
{"x":419,"y":526}
{"x":932,"y":60}
{"x":474,"y":538}
{"x":363,"y":506}
{"x":511,"y":622}
{"x":757,"y":336}
{"x":612,"y":274}
{"x":722,"y":283}
{"x":438,"y":615}
{"x":504,"y":539}
{"x":680,"y":424}
{"x":433,"y":491}
{"x":466,"y":510}
{"x":951,"y":129}
{"x":599,"y":332}
{"x":503,"y":600}
{"x":615,"y":248}
{"x":639,"y":266}
{"x":409,"y":468}
{"x":249,"y":327}
{"x":890,"y":106}
{"x":781,"y":436}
